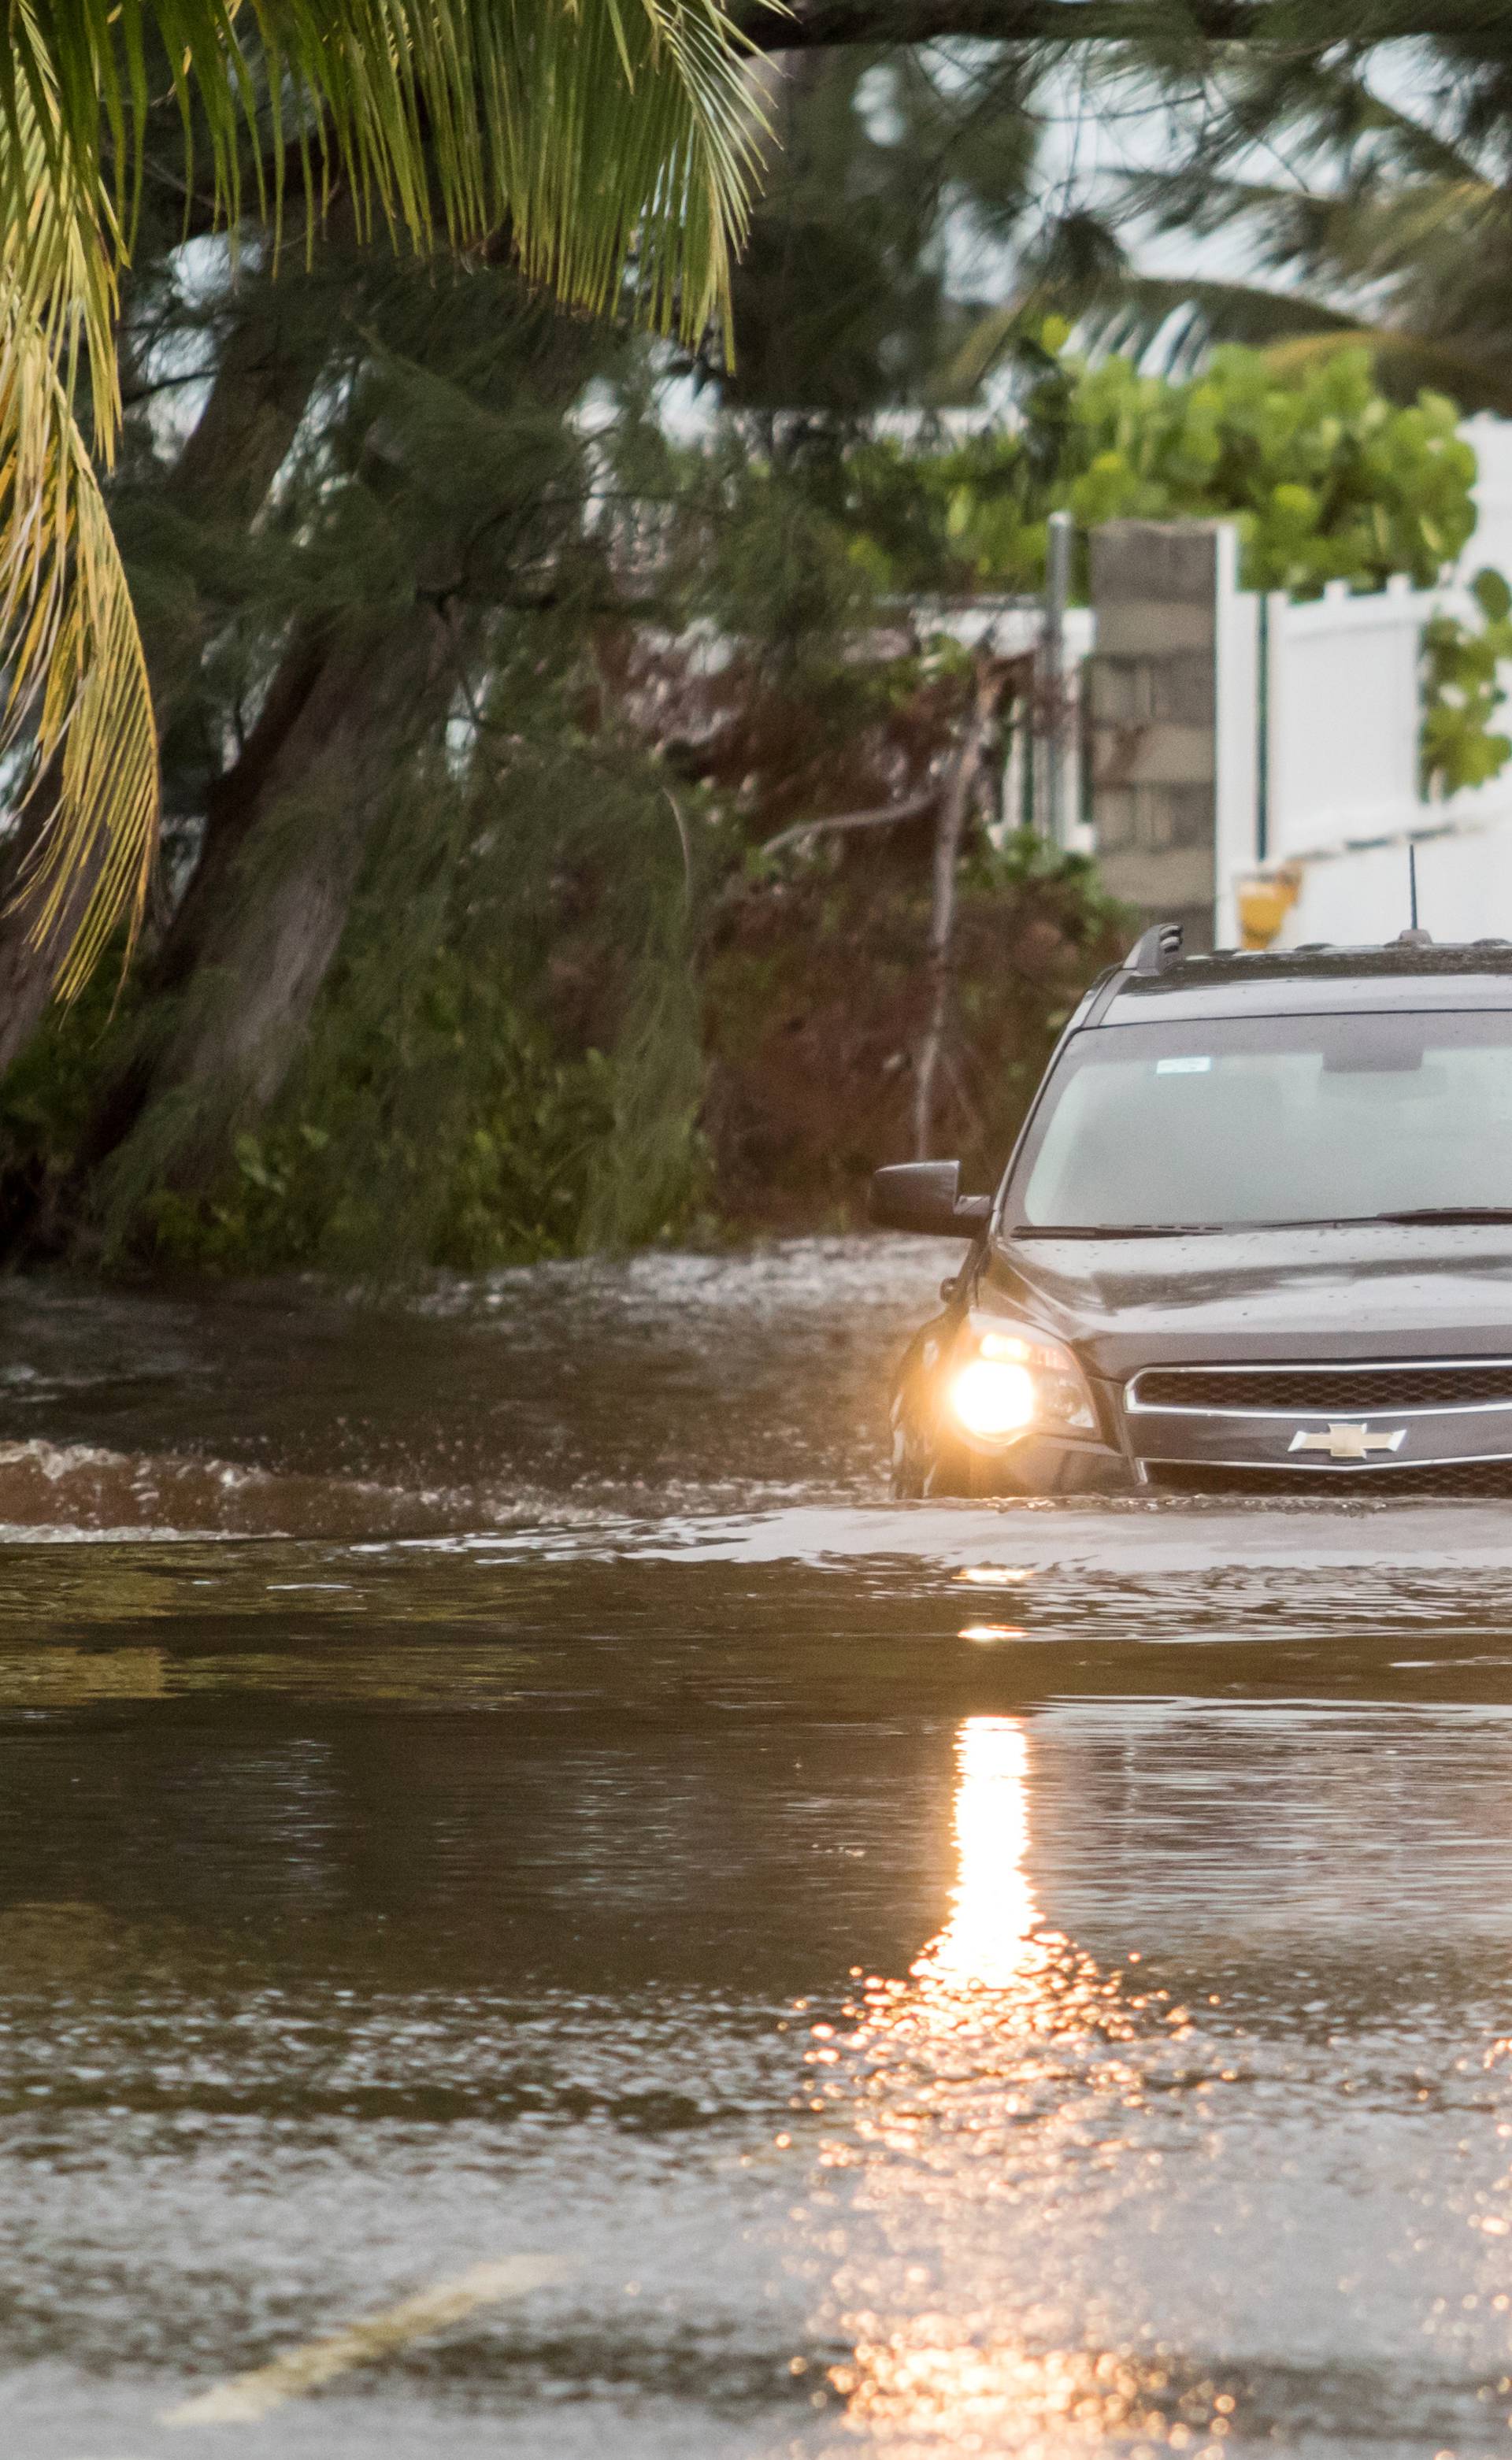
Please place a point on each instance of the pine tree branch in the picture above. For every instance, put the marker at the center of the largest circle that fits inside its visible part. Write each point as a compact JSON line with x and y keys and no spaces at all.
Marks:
{"x":888,"y":815}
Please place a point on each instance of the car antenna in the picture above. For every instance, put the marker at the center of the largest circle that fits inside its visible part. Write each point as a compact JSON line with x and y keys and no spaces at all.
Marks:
{"x":1412,"y":938}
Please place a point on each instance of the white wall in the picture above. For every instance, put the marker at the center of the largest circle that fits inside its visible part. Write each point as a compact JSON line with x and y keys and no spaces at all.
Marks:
{"x":1492,"y":539}
{"x":1464,"y":889}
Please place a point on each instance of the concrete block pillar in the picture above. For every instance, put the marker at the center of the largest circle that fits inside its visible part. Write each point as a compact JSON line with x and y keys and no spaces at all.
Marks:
{"x":1156,"y":589}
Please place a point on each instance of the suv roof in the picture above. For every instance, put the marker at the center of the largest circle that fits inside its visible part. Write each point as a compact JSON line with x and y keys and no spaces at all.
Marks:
{"x":1156,"y":980}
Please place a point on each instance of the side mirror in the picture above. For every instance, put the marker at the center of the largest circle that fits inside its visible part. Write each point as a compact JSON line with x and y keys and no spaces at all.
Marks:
{"x":926,"y":1196}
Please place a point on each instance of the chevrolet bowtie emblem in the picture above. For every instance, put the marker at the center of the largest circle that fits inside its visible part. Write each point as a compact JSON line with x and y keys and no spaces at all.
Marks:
{"x":1344,"y":1441}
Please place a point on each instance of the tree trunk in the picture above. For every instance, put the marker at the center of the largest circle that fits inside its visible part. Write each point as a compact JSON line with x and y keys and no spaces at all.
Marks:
{"x":243,"y":962}
{"x":246,"y":432}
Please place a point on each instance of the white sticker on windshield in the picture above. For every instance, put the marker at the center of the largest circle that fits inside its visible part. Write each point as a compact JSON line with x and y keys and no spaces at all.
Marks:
{"x":1183,"y":1066}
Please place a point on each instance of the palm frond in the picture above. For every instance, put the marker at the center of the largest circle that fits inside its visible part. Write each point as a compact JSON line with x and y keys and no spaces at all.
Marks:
{"x":1390,"y":226}
{"x":621,"y":135}
{"x":603,"y":133}
{"x":1133,"y":313}
{"x":1407,"y":143}
{"x":76,"y":696}
{"x":1408,"y":363}
{"x":1173,"y":324}
{"x":1324,"y":109}
{"x":60,"y":237}
{"x":1198,"y":199}
{"x":614,"y":139}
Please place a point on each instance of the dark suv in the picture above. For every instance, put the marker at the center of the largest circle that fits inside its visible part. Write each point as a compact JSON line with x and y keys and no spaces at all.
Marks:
{"x":1256,"y":1235}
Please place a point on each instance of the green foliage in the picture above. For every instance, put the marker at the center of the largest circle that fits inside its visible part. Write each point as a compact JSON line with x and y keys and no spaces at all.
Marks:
{"x":647,"y":1173}
{"x":47,"y":1096}
{"x":1463,"y":690}
{"x":453,"y":1135}
{"x":616,"y":145}
{"x":609,"y":139}
{"x":1325,"y":479}
{"x":505,"y":1063}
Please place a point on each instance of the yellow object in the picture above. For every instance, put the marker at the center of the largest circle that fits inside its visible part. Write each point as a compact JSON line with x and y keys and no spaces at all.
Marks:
{"x":1264,"y":903}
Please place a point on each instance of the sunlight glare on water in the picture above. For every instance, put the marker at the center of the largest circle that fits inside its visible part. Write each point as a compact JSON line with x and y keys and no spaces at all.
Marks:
{"x":941,"y":2068}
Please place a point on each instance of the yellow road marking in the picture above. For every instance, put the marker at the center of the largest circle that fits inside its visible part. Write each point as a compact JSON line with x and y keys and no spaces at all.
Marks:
{"x":250,"y":2396}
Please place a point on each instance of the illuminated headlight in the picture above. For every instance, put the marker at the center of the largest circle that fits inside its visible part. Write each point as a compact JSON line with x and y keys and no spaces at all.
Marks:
{"x":1008,"y":1378}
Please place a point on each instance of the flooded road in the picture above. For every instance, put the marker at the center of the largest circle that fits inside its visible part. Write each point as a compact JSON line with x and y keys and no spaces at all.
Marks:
{"x":540,"y":1913}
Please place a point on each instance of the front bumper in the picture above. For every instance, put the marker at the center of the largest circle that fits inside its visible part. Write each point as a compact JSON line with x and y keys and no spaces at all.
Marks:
{"x":1286,"y":1453}
{"x":1037,"y":1464}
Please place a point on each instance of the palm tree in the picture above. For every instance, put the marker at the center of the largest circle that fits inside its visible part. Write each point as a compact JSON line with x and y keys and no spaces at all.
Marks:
{"x":612,"y":139}
{"x":1375,"y":223}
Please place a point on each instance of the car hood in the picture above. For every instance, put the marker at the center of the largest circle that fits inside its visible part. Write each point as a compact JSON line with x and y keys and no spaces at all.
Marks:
{"x":1375,"y":1290}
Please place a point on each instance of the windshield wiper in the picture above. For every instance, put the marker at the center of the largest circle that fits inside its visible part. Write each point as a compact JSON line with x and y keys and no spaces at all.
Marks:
{"x":1424,"y":1213}
{"x":1116,"y":1229}
{"x":1448,"y":1213}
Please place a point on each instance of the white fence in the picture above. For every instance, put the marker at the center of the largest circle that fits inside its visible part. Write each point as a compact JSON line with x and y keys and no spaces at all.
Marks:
{"x":1320,"y":711}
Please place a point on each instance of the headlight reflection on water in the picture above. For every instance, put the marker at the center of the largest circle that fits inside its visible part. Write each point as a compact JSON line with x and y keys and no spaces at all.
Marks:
{"x":964,"y":2093}
{"x":993,"y":1912}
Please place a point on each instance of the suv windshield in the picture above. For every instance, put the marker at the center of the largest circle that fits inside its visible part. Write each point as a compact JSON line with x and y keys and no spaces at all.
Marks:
{"x":1270,"y":1119}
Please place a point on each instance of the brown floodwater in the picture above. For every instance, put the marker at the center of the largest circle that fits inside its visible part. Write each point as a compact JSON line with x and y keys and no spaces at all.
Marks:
{"x":541,"y":1913}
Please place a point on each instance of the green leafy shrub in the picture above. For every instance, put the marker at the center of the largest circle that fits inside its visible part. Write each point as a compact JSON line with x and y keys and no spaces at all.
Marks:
{"x":1325,"y":479}
{"x":459,"y":1137}
{"x":1463,"y":690}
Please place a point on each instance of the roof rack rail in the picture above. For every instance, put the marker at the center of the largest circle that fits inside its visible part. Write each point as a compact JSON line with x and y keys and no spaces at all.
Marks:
{"x":1155,"y":949}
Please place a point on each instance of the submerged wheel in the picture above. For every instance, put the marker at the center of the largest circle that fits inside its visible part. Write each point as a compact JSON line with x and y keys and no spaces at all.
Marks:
{"x":919,"y":1469}
{"x":907,"y":1470}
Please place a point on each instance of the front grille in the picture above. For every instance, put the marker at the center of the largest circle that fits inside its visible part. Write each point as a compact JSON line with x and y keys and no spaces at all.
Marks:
{"x":1307,"y":1391}
{"x":1466,"y":1478}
